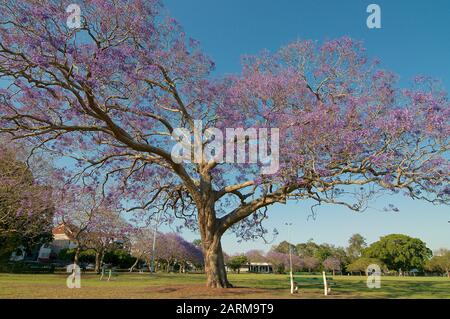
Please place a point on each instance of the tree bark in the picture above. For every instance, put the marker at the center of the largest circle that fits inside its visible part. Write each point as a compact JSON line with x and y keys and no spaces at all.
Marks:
{"x":98,"y":261}
{"x":134,"y":265}
{"x":76,"y":258}
{"x":211,"y":233}
{"x":216,"y":275}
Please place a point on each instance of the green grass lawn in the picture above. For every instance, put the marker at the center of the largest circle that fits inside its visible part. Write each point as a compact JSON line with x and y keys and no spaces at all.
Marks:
{"x":192,"y":286}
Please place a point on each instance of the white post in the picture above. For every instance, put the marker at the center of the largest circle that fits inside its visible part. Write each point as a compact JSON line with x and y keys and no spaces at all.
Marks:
{"x":325,"y":285}
{"x":290,"y":259}
{"x":155,"y":231}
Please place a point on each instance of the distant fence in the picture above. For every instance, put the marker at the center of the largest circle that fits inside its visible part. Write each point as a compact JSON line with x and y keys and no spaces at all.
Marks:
{"x":27,"y":268}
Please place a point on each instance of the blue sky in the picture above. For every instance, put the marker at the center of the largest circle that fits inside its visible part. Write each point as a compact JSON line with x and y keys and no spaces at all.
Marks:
{"x":414,"y":39}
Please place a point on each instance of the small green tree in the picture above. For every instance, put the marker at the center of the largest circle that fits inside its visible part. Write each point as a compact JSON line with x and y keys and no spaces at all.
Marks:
{"x":236,"y":262}
{"x":440,"y":263}
{"x":360,"y":265}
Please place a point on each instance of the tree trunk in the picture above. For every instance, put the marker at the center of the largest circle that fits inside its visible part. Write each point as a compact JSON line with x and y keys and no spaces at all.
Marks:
{"x":76,"y":258}
{"x":216,"y":275}
{"x":98,"y":261}
{"x":211,"y":231}
{"x":134,"y":265}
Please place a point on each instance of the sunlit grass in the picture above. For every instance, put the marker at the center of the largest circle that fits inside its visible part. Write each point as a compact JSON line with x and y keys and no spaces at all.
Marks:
{"x":192,"y":286}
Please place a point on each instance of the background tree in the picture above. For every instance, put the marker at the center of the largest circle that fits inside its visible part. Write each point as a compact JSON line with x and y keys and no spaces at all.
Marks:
{"x":283,"y":247}
{"x":236,"y":262}
{"x":311,"y":263}
{"x":111,"y":93}
{"x":26,"y":207}
{"x":332,"y":264}
{"x":278,"y":260}
{"x":190,"y":255}
{"x":360,"y":265}
{"x":281,"y":261}
{"x":106,"y":231}
{"x":440,"y":262}
{"x":118,"y":256}
{"x":169,"y":250}
{"x":399,"y":252}
{"x":307,"y":249}
{"x":340,"y":253}
{"x":90,"y":219}
{"x":298,"y":263}
{"x":140,"y":245}
{"x":175,"y":252}
{"x":323,"y":252}
{"x":356,"y":244}
{"x":256,"y":256}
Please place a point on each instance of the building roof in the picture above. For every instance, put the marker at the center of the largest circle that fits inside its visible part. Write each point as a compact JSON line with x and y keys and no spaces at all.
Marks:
{"x":59,"y":230}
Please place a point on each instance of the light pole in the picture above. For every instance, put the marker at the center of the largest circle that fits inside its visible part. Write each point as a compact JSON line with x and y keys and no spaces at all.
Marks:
{"x":152,"y":264}
{"x":289,"y":225}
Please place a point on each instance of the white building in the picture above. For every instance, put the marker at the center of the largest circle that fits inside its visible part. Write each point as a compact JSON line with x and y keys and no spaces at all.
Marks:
{"x":258,"y":268}
{"x":264,"y":268}
{"x":60,"y":241}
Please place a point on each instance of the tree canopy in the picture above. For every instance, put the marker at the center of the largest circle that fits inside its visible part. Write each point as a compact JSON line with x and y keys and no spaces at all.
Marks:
{"x":356,"y":244}
{"x":111,"y":94}
{"x":236,"y":262}
{"x":400,"y":252}
{"x":440,"y":262}
{"x":26,"y":207}
{"x":361,"y":264}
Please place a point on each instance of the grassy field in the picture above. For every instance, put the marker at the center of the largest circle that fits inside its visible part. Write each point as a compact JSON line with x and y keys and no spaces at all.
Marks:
{"x":173,"y":286}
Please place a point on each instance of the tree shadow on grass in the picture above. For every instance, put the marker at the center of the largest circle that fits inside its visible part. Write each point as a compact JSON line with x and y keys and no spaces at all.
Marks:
{"x":402,"y":288}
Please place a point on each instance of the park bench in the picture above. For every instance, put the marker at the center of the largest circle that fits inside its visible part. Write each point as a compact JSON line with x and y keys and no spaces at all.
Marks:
{"x":313,"y":283}
{"x":110,"y":272}
{"x":27,"y":268}
{"x":316,"y":281}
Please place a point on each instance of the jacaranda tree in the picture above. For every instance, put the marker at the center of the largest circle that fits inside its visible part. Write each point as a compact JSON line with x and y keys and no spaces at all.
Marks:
{"x":26,"y":212}
{"x":111,"y":93}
